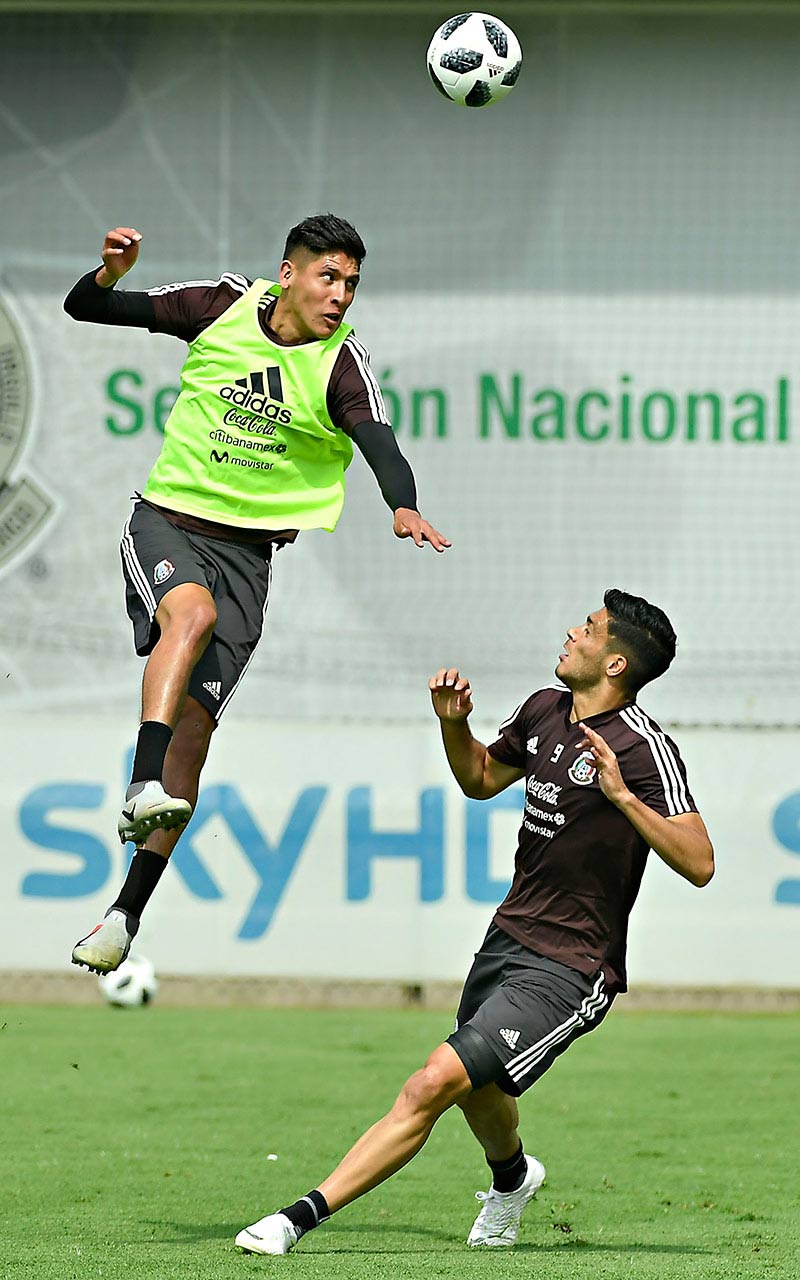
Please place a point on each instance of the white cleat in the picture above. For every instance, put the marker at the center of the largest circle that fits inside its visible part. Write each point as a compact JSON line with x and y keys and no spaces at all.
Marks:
{"x":148,"y":808}
{"x":104,"y":949}
{"x":497,"y":1224}
{"x":273,"y":1234}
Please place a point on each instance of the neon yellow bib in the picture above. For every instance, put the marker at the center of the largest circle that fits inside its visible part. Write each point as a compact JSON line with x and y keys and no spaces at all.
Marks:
{"x":249,"y":441}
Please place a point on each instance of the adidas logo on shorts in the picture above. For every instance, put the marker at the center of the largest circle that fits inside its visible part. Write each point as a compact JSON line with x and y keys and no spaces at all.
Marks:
{"x":214,"y":687}
{"x":510,"y":1037}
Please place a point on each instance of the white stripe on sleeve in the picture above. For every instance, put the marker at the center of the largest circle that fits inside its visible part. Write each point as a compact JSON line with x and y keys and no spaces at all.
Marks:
{"x":510,"y":719}
{"x":670,"y":760}
{"x":675,"y":794}
{"x":239,"y":284}
{"x":361,"y":357}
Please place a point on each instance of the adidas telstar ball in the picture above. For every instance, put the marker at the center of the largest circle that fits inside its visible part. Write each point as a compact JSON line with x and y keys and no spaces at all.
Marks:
{"x":474,"y":59}
{"x":133,"y":984}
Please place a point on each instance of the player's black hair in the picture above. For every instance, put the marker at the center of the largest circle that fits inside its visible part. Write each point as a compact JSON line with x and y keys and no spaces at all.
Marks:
{"x":643,"y":632}
{"x":324,"y":232}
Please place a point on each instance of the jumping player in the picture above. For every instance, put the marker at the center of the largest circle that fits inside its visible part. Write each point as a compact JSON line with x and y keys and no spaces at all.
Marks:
{"x":603,"y":785}
{"x":275,"y":390}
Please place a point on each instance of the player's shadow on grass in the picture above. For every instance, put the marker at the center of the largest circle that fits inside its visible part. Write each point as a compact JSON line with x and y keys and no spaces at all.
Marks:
{"x":445,"y":1237}
{"x":585,"y":1246}
{"x":193,"y":1232}
{"x":400,"y":1229}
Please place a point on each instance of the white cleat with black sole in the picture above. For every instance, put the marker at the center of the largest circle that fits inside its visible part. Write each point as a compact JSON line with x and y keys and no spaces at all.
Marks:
{"x":104,"y":949}
{"x":149,"y":808}
{"x":273,"y":1234}
{"x":497,"y":1224}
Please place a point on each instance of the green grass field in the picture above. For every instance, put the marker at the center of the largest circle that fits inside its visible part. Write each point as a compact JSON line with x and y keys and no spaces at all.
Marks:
{"x":135,"y":1143}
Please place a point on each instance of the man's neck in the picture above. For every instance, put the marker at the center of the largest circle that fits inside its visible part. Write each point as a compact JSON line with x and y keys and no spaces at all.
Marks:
{"x":593,"y":702}
{"x":284,"y":325}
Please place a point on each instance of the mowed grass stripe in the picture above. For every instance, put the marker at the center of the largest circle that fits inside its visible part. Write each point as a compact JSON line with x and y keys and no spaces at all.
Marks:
{"x":135,"y":1144}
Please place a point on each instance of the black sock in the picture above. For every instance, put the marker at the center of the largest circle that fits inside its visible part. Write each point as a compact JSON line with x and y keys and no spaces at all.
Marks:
{"x":307,"y":1213}
{"x":143,"y":875}
{"x":151,"y":748}
{"x":508,"y":1175}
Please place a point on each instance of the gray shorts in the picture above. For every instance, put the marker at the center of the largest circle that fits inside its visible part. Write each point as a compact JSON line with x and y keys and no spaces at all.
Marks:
{"x":519,"y":1011}
{"x":157,"y":557}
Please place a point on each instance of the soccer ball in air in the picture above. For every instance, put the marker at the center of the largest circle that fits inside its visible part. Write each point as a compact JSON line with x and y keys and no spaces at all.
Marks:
{"x":134,"y":983}
{"x":474,"y":59}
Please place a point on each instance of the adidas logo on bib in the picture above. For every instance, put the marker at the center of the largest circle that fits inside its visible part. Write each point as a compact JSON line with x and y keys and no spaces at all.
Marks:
{"x":214,"y":687}
{"x":265,"y":401}
{"x":510,"y":1037}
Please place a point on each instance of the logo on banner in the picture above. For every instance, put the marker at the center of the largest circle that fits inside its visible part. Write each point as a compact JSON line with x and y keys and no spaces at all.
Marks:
{"x":25,"y":508}
{"x":583,"y":769}
{"x":163,"y":570}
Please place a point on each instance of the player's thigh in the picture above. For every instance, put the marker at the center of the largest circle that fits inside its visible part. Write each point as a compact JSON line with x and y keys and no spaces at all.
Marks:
{"x":528,"y":1021}
{"x":156,"y":558}
{"x":242,"y":577}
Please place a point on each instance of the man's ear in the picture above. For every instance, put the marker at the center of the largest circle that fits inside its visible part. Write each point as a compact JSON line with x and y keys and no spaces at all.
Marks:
{"x":616,"y":665}
{"x":285,"y":273}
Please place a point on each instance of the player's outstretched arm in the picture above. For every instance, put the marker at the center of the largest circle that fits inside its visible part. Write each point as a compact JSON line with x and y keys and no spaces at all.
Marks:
{"x":377,"y":442}
{"x":477,"y":773}
{"x":93,"y":297}
{"x":681,"y":841}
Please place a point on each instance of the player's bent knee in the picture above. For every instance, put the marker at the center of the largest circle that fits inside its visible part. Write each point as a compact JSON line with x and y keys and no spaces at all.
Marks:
{"x":188,"y":611}
{"x":433,"y":1089}
{"x":420,"y":1093}
{"x":199,"y":625}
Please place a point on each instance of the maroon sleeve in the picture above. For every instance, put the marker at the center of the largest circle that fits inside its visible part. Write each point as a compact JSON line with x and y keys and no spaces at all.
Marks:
{"x":511,"y":745}
{"x":353,"y":392}
{"x":187,"y":308}
{"x":653,"y":769}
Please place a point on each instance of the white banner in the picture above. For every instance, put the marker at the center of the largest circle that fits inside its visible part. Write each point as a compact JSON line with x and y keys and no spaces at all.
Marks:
{"x":350,"y":853}
{"x":567,"y":444}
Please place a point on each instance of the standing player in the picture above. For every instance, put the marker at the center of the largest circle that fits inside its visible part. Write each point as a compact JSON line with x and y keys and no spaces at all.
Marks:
{"x":603,"y":785}
{"x":274,"y":391}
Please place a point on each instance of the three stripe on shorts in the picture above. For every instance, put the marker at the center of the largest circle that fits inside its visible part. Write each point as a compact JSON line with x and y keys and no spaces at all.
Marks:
{"x":593,"y":1004}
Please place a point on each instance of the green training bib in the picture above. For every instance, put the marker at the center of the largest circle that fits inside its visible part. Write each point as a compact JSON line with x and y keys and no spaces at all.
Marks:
{"x":249,"y":441}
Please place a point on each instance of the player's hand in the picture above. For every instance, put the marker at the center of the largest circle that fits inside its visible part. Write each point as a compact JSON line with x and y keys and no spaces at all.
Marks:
{"x":409,"y":524}
{"x":451,"y":694}
{"x":608,"y":771}
{"x":120,"y":251}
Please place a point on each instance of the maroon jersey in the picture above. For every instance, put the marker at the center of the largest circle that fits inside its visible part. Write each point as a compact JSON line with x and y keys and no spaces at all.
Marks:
{"x":579,"y":861}
{"x":186,"y":309}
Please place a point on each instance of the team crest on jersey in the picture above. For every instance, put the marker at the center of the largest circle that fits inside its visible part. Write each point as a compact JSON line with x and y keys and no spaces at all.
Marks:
{"x":163,"y":570}
{"x":583,"y":769}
